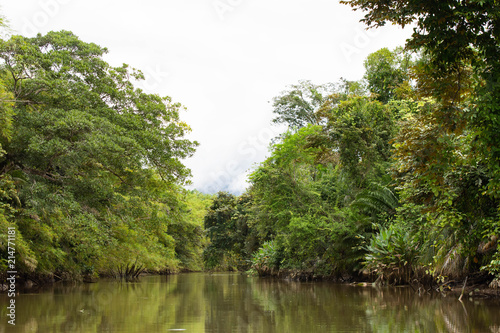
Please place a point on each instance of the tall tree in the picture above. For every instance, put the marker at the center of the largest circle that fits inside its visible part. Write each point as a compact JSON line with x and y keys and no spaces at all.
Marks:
{"x":359,"y":129}
{"x":298,"y":106}
{"x":98,"y":161}
{"x":387,"y":73}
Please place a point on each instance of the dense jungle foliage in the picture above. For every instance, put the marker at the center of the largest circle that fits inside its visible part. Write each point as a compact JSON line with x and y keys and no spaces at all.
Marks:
{"x":396,"y":176}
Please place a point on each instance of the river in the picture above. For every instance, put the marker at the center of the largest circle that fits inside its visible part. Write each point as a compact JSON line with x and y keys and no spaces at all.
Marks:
{"x":202,"y":302}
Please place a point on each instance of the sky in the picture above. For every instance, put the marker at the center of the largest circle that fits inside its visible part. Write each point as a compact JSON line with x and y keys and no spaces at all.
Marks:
{"x":224,"y":60}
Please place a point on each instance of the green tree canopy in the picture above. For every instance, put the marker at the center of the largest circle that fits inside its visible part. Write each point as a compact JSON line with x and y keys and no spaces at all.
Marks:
{"x":97,"y":162}
{"x":76,"y":111}
{"x":387,"y":73}
{"x":300,"y":105}
{"x":461,"y":41}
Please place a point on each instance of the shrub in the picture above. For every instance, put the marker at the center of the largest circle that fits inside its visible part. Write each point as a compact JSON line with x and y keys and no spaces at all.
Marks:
{"x":266,"y":260}
{"x":392,"y":255}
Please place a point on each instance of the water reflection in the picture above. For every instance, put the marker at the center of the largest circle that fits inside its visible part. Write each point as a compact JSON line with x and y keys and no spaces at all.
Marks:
{"x":236,"y":303}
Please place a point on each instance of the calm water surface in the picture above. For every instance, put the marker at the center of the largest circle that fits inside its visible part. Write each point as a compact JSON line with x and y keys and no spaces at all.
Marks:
{"x":236,"y":303}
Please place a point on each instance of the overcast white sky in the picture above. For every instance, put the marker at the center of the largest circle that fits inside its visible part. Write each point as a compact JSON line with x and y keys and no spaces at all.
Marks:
{"x":222,"y":59}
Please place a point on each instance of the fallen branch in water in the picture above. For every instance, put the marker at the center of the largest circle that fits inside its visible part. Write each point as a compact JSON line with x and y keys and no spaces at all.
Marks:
{"x":463,"y":289}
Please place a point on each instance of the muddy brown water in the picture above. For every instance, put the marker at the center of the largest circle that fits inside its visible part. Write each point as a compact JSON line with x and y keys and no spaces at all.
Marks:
{"x":201,"y":302}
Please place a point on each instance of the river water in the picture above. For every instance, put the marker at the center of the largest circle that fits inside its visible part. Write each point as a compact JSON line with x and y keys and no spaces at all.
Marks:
{"x":200,"y":302}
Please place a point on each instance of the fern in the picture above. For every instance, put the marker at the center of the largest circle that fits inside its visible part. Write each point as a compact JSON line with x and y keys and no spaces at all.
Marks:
{"x":376,"y":201}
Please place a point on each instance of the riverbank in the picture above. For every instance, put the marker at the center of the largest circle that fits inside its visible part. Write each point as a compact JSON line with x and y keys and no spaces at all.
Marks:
{"x":28,"y":283}
{"x":473,"y":287}
{"x":475,"y":290}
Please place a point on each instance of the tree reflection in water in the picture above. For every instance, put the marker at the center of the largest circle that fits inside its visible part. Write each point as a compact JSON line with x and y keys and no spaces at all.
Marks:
{"x":236,"y":303}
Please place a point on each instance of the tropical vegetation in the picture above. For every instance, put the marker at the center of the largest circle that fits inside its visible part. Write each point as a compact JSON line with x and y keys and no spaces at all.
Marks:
{"x":395,"y":177}
{"x":90,"y":166}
